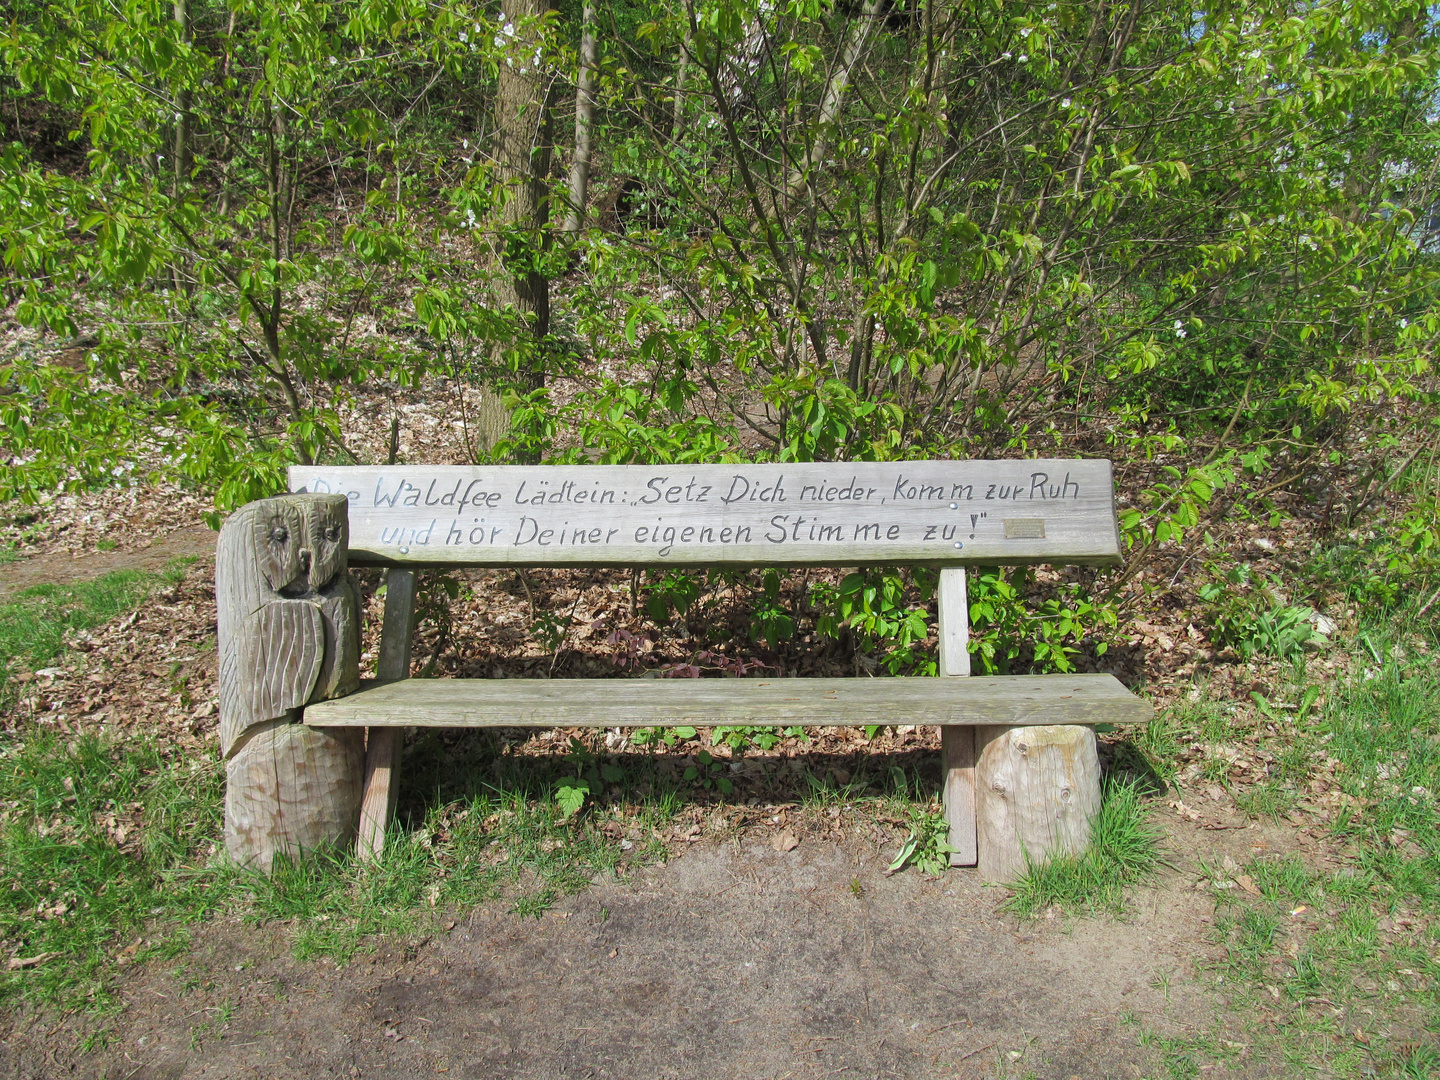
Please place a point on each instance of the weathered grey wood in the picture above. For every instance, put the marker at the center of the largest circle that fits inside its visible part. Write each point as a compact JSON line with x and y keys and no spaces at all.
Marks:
{"x":814,"y":514}
{"x":282,"y":596}
{"x":292,"y":788}
{"x":1038,"y":789}
{"x":384,"y":744}
{"x":957,"y":764}
{"x":279,"y":652}
{"x":953,"y":618}
{"x":289,"y":626}
{"x":957,"y":744}
{"x":339,"y":672}
{"x":1000,"y":699}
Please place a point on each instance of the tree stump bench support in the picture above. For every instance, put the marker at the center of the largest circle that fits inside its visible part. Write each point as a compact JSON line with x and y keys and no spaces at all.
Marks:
{"x":1021,"y":777}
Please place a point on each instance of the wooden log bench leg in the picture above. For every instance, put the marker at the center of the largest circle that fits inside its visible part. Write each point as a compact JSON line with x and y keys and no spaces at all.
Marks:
{"x":291,"y":789}
{"x":383,"y":744}
{"x":1037,"y":792}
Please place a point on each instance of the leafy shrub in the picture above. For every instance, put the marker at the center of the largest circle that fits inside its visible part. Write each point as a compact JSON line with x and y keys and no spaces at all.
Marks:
{"x":1003,"y":629}
{"x":1249,"y":620}
{"x":872,"y":604}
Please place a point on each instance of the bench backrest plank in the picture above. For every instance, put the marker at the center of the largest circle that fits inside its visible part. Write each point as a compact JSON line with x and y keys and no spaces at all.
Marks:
{"x":938,"y":513}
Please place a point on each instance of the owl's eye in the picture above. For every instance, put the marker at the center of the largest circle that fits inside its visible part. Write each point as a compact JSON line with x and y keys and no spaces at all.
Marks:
{"x":332,"y":533}
{"x":279,"y":534}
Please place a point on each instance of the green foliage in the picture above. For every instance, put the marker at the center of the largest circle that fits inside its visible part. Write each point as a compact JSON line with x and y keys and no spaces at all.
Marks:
{"x":668,"y":735}
{"x":873,"y":605}
{"x":927,"y":848}
{"x":1175,"y":505}
{"x":770,"y":621}
{"x":738,"y":737}
{"x":1205,"y":227}
{"x":1004,"y":629}
{"x":671,"y":591}
{"x":1246,"y":617}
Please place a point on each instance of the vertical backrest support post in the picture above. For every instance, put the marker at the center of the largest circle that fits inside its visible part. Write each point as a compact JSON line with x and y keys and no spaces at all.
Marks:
{"x":383,"y":745}
{"x":957,"y":744}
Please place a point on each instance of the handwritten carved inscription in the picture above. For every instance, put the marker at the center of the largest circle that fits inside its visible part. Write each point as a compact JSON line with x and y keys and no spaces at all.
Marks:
{"x":797,"y":514}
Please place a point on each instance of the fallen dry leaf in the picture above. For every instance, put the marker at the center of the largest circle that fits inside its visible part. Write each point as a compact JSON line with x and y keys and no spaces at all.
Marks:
{"x":1244,"y":881}
{"x":18,"y":962}
{"x":784,"y":841}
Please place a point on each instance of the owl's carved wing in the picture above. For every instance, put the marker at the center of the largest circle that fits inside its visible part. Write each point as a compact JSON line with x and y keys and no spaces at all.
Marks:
{"x":281,"y":646}
{"x":340,"y":671}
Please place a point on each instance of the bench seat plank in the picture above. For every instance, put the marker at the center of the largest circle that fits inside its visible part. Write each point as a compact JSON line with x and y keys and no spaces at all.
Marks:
{"x":1002,"y":700}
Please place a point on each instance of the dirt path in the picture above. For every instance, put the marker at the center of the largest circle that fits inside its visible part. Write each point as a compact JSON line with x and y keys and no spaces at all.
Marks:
{"x":61,"y":567}
{"x":729,"y":961}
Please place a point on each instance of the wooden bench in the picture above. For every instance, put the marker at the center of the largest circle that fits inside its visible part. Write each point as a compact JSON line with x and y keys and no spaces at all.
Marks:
{"x":1021,"y":774}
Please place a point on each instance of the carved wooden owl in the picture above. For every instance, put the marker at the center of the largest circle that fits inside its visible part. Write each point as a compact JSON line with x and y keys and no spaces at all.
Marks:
{"x":289,"y":615}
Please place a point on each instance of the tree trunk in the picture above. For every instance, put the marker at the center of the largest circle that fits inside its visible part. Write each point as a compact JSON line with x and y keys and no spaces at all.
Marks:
{"x":522,"y":152}
{"x":183,"y":119}
{"x":677,"y":118}
{"x":833,"y":99}
{"x":584,"y":114}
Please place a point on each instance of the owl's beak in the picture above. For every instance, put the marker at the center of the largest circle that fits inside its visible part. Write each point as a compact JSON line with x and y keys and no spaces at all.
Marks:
{"x":305,"y":560}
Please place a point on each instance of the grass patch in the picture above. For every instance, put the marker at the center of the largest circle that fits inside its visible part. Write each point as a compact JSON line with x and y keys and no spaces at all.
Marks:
{"x":1124,"y":850}
{"x":96,"y":843}
{"x":496,"y":845}
{"x":1338,"y":970}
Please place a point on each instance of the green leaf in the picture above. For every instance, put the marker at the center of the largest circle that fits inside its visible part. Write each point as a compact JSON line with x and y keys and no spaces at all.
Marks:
{"x":907,"y":852}
{"x":570,"y":796}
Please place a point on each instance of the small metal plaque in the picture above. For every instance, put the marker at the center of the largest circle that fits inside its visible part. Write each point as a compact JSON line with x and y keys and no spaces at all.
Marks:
{"x":1024,"y":528}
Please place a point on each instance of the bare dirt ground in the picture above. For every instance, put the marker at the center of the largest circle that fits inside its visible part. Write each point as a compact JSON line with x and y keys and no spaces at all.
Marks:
{"x":151,"y":554}
{"x":730,"y":960}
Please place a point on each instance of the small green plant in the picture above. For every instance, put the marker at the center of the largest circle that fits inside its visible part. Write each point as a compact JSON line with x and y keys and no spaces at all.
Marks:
{"x":927,"y":848}
{"x":708,"y":773}
{"x":762,"y":738}
{"x":770,"y":620}
{"x":668,"y":735}
{"x":1248,"y":619}
{"x":434,"y":605}
{"x":572,"y":791}
{"x":671,"y":591}
{"x":550,"y":629}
